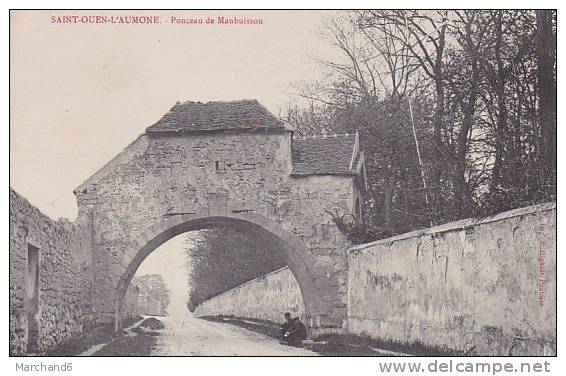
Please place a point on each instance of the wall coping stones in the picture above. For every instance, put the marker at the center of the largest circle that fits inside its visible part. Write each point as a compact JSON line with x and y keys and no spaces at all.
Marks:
{"x":459,"y":225}
{"x":257,"y":279}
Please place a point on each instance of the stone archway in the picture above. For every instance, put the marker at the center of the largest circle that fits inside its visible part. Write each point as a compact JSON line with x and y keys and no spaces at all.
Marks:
{"x":231,"y":163}
{"x":315,"y":289}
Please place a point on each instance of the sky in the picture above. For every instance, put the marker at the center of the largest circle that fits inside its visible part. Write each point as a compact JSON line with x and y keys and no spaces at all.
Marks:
{"x":81,"y":92}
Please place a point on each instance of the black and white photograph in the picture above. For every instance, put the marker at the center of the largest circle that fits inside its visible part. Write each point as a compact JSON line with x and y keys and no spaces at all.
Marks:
{"x":283,"y":183}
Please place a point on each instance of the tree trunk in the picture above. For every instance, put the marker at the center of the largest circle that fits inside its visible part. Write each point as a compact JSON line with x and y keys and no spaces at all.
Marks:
{"x":388,"y":191}
{"x":499,"y":80}
{"x":546,"y":54}
{"x":461,"y":187}
{"x":437,"y":154}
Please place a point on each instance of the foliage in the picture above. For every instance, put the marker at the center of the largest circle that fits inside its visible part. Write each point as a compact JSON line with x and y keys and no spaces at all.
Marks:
{"x":356,"y":231}
{"x":223,"y":258}
{"x":456,"y":112}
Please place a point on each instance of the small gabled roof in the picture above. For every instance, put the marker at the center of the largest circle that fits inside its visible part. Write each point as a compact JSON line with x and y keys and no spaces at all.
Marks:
{"x":197,"y":116}
{"x":337,"y":154}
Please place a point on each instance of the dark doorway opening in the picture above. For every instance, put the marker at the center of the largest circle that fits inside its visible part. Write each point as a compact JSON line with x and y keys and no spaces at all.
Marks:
{"x":32,"y":298}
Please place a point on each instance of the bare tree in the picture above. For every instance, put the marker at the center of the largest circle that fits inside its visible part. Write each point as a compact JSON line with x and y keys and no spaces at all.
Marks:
{"x":482,"y":87}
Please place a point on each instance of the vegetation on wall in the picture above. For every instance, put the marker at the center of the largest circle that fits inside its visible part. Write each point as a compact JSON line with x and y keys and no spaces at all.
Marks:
{"x":456,"y":112}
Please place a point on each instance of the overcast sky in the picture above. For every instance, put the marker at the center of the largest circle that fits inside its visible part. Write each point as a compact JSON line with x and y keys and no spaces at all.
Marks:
{"x":81,"y":92}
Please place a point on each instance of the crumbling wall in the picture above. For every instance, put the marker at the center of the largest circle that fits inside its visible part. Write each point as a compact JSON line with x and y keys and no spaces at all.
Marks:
{"x":481,"y":287}
{"x":64,"y":288}
{"x":264,"y":298}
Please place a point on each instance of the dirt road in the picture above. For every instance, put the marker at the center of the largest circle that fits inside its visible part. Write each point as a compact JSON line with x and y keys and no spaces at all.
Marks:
{"x":186,"y":335}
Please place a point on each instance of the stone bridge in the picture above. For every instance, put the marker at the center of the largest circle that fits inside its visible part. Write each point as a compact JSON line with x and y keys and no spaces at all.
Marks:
{"x":215,"y":164}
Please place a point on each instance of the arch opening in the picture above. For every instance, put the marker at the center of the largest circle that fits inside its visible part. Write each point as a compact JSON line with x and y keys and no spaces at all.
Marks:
{"x":265,"y":232}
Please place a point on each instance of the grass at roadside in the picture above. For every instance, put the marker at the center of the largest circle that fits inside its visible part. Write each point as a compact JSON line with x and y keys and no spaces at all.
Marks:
{"x":338,"y":344}
{"x":97,"y":335}
{"x":138,"y":342}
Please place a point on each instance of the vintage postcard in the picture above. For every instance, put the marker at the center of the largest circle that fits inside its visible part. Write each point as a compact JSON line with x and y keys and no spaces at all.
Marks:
{"x":284,"y":183}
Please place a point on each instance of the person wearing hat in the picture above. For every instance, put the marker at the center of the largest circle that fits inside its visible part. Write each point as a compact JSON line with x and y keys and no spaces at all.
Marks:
{"x":293,"y":331}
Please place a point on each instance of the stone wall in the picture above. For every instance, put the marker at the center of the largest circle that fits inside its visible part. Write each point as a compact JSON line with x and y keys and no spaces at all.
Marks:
{"x":164,"y":184}
{"x":264,"y":298}
{"x":482,"y":287}
{"x":63,"y":297}
{"x":485,"y":287}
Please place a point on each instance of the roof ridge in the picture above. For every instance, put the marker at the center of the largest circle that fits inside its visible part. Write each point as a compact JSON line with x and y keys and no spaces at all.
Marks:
{"x":188,"y":101}
{"x":329,"y":154}
{"x":217,"y":115}
{"x":323,"y":136}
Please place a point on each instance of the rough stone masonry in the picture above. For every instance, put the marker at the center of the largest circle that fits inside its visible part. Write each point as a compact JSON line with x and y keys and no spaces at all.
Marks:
{"x":55,"y":302}
{"x":481,"y":287}
{"x":226,"y":164}
{"x":202,"y":165}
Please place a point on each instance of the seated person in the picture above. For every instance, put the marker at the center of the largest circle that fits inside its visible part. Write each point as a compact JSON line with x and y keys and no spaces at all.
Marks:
{"x":293,"y":331}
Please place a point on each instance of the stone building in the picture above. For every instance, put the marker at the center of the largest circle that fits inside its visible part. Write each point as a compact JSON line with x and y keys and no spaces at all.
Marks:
{"x":231,"y":164}
{"x":481,"y":287}
{"x":202,"y":165}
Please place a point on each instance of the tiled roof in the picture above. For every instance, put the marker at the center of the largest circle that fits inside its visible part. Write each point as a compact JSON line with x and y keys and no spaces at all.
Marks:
{"x":325,"y":155}
{"x":198,"y":116}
